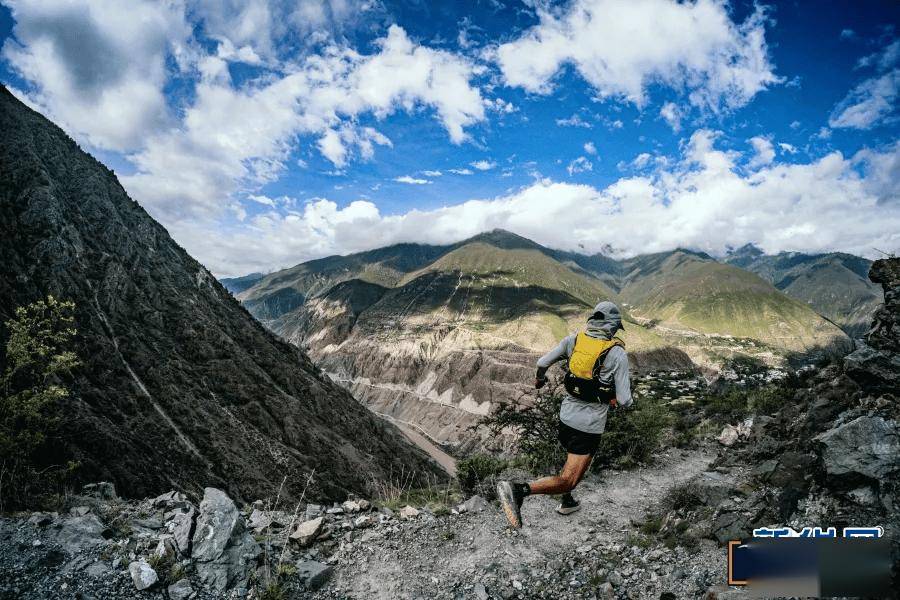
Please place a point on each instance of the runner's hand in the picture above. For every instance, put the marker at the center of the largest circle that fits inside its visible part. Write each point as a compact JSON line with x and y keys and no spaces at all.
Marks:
{"x":613,"y":403}
{"x":539,"y":383}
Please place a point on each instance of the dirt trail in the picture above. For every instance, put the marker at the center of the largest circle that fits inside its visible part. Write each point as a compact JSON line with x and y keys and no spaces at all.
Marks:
{"x":407,"y":565}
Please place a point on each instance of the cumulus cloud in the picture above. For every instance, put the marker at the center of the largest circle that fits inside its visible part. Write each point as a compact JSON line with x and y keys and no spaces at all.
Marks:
{"x":411,"y":180}
{"x":579,"y":165}
{"x":764,"y":152}
{"x":483,"y":165}
{"x":461,"y":171}
{"x":98,"y":67}
{"x":703,"y":200}
{"x":189,"y":170}
{"x":874,"y":101}
{"x":621,"y":47}
{"x":432,"y":173}
{"x":672,"y":115}
{"x":590,"y":148}
{"x":574,"y":121}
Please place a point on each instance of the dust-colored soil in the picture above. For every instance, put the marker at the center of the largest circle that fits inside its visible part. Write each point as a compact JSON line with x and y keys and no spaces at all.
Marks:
{"x":449,"y":556}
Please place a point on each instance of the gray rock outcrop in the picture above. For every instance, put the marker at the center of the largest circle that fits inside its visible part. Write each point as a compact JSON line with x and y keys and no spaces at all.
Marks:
{"x":223,"y":549}
{"x":868,"y":446}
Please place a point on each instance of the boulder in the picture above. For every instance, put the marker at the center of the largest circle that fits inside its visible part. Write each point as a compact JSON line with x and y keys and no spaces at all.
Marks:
{"x":103,"y":490}
{"x":259,"y":520}
{"x":363,"y":521}
{"x":181,"y":526}
{"x":166,"y":548}
{"x":313,"y":574}
{"x":142,"y":575}
{"x":474,"y":504}
{"x":307,"y":531}
{"x":180,"y":590}
{"x":222,"y":548}
{"x":868,"y":446}
{"x":313,"y":511}
{"x":408,"y":512}
{"x":170,"y":500}
{"x":728,"y":436}
{"x":78,"y":533}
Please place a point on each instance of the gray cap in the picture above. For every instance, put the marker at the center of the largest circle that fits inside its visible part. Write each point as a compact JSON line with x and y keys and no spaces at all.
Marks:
{"x":610,"y":312}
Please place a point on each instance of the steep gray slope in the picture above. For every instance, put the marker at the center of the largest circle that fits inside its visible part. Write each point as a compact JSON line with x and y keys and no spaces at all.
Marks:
{"x":180,"y":386}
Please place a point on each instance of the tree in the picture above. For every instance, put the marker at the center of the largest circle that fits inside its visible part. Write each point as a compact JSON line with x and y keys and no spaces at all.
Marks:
{"x":39,"y":358}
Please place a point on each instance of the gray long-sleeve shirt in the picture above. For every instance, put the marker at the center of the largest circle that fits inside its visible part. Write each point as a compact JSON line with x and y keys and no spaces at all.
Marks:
{"x":590,"y":417}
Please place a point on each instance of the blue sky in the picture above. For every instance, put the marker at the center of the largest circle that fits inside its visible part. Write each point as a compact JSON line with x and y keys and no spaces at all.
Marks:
{"x":265,"y":133}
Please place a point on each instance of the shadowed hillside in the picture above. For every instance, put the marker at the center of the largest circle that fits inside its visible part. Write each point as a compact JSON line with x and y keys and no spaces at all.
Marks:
{"x":180,"y":386}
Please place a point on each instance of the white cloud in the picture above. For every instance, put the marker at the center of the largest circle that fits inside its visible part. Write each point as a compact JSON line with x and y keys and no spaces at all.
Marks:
{"x":787,"y":148}
{"x":795,"y":124}
{"x":432,"y":173}
{"x":99,"y":66}
{"x":261,"y":199}
{"x":579,"y":165}
{"x":847,"y":34}
{"x":190,"y":170}
{"x":483,"y":165}
{"x":574,"y":121}
{"x":704,"y":200}
{"x":411,"y":180}
{"x":590,"y":148}
{"x":621,"y":47}
{"x":461,"y":171}
{"x":870,"y":103}
{"x":672,"y":115}
{"x":874,"y":101}
{"x":764,"y":152}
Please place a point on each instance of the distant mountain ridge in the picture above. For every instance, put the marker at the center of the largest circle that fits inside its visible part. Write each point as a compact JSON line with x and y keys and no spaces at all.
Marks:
{"x":180,"y":387}
{"x":434,"y":336}
{"x":834,"y":284}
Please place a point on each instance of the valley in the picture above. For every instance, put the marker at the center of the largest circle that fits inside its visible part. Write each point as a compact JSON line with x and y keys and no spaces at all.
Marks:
{"x":437,"y":336}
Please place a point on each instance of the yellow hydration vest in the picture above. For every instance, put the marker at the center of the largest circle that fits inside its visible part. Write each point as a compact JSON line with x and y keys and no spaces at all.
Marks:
{"x":584,"y":365}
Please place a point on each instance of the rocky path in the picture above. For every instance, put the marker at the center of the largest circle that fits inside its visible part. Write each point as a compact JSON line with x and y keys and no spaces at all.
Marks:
{"x":474,"y":554}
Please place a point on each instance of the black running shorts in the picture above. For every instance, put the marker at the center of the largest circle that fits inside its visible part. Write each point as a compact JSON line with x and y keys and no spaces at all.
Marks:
{"x":578,"y":442}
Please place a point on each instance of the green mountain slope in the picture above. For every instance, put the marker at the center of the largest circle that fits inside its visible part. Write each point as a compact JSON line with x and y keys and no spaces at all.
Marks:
{"x":691,"y":291}
{"x":433,"y":336}
{"x":835,"y":284}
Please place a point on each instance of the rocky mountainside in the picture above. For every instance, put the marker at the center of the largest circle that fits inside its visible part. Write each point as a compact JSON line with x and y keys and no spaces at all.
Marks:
{"x":236,"y":285}
{"x":828,"y":457}
{"x":434,"y":336}
{"x":180,"y":386}
{"x":835,"y":284}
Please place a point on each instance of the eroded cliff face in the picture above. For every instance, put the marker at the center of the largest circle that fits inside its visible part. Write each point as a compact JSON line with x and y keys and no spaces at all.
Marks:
{"x":439,"y":366}
{"x":180,"y":386}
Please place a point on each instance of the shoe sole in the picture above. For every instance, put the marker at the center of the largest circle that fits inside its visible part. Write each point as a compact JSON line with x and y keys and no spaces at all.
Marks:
{"x":505,"y":494}
{"x":567,"y":511}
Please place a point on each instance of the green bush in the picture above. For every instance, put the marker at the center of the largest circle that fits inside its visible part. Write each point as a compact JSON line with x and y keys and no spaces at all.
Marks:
{"x":631,"y":435}
{"x":538,"y":428}
{"x":32,"y":388}
{"x":475,"y":469}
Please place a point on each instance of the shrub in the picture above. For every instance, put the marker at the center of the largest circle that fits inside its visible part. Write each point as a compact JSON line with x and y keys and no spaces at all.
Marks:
{"x":38,"y":360}
{"x":631,"y":435}
{"x":475,"y":469}
{"x":537,"y":426}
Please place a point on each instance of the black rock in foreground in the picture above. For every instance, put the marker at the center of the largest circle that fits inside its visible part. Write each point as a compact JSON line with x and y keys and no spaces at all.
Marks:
{"x":180,"y":386}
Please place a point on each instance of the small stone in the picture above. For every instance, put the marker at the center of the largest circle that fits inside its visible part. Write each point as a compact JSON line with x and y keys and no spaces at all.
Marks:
{"x":180,"y":590}
{"x":408,"y":512}
{"x":728,"y":436}
{"x":313,"y":511}
{"x":37,"y":543}
{"x":79,"y":511}
{"x":142,"y":575}
{"x":307,"y":531}
{"x":362,"y":521}
{"x":584,"y":549}
{"x":615,"y":578}
{"x":313,"y":574}
{"x":480,"y":591}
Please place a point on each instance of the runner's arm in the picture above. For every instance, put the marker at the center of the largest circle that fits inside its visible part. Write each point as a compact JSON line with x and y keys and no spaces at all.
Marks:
{"x":557,"y":354}
{"x":621,"y":376}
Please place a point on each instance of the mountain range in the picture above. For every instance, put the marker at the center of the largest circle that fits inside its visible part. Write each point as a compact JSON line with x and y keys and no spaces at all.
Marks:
{"x":179,"y":386}
{"x":433,"y":336}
